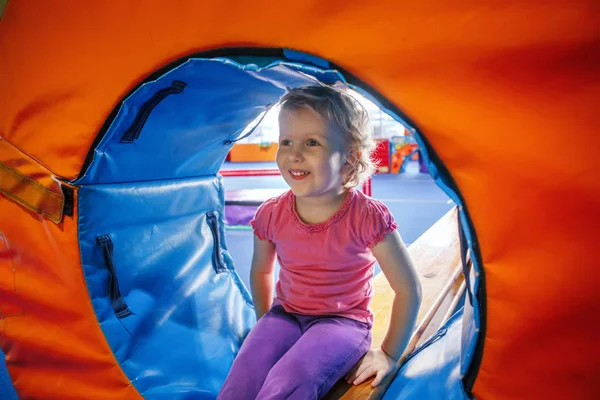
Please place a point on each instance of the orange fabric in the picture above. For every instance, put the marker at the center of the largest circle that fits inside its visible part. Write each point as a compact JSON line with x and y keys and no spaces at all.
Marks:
{"x":29,"y":184}
{"x":250,"y":152}
{"x":10,"y":305}
{"x":497,"y":88}
{"x":49,"y":332}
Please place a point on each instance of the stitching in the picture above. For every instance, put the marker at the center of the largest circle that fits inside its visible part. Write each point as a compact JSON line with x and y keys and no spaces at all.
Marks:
{"x":54,"y":217}
{"x":387,"y":230}
{"x":312,"y":228}
{"x":31,"y":207}
{"x":3,"y":165}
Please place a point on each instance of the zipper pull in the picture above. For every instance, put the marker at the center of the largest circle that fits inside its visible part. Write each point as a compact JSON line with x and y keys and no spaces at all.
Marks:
{"x":213,"y":223}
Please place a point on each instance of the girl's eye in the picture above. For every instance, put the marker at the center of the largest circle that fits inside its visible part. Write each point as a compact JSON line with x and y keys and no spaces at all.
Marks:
{"x":285,"y":142}
{"x":312,"y":142}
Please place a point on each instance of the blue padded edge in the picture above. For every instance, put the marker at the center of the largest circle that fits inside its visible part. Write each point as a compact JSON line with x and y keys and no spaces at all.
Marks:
{"x":302,"y":57}
{"x":433,"y":373}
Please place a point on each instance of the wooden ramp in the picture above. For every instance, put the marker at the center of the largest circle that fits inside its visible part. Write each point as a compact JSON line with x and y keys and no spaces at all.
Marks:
{"x":436,"y":256}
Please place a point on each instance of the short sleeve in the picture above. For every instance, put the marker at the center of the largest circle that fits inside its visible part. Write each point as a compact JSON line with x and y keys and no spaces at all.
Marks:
{"x":379,"y":223}
{"x":261,"y":223}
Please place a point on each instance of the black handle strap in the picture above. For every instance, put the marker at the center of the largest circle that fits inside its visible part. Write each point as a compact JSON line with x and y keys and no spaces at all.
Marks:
{"x":119,"y":306}
{"x":140,"y":120}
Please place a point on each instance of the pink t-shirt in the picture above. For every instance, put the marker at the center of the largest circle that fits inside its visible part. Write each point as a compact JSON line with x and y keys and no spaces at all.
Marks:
{"x":326,"y":268}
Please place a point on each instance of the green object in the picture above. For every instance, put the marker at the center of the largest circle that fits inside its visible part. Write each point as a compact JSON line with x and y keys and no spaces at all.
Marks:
{"x":3,"y":4}
{"x":238,"y":227}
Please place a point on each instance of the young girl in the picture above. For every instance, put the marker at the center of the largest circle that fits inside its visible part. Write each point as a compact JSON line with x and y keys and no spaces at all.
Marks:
{"x":327,"y":236}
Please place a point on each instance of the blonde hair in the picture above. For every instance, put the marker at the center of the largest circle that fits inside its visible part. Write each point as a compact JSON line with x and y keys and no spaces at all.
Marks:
{"x":348,"y":115}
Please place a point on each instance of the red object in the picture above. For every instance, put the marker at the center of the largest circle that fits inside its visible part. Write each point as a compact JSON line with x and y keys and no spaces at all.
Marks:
{"x":250,"y":172}
{"x":367,"y":187}
{"x":381,"y":155}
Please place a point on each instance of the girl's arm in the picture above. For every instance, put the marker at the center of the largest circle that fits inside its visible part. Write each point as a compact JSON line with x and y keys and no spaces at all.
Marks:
{"x":261,"y":275}
{"x":395,"y":263}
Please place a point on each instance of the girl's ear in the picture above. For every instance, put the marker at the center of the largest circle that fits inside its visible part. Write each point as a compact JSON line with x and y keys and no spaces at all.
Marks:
{"x":350,"y":165}
{"x":353,"y":157}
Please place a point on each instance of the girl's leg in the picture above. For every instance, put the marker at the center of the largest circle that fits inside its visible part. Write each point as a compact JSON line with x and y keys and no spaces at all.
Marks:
{"x":326,"y":352}
{"x":274,"y":334}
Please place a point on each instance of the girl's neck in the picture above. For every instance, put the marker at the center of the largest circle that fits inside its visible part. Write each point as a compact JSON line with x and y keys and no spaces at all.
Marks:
{"x":315,"y":210}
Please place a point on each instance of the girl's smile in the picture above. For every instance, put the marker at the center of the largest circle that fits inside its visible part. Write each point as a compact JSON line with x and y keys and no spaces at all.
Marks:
{"x":310,"y":155}
{"x":297,"y":174}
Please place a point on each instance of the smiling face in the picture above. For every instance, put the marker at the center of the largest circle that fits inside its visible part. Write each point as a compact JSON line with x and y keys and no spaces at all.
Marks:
{"x":311,"y":154}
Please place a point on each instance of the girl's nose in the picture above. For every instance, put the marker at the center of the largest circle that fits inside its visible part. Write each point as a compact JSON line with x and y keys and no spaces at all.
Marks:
{"x":296,"y":154}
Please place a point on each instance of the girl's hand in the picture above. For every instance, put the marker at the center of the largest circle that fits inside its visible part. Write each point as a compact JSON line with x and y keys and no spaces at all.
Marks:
{"x":375,"y":362}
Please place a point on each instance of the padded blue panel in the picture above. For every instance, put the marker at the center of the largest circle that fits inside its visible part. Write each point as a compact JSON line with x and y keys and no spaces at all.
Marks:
{"x":188,"y":319}
{"x":185,"y":134}
{"x":434,"y":372}
{"x":7,"y":390}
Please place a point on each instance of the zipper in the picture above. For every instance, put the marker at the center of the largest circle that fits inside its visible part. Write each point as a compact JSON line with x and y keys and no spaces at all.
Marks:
{"x":140,"y":120}
{"x":120,"y":308}
{"x":217,"y":258}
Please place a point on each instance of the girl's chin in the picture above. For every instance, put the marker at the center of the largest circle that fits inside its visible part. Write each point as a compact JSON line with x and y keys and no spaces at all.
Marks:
{"x":298,"y":193}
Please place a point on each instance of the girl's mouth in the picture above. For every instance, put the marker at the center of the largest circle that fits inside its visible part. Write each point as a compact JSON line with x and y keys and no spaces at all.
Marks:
{"x":297,"y":174}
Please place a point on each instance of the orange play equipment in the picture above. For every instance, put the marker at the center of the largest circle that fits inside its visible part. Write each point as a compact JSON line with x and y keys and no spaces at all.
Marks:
{"x":401,"y":152}
{"x":462,"y":75}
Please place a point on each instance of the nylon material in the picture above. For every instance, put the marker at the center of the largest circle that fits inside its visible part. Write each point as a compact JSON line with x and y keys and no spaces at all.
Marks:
{"x":185,"y":133}
{"x":433,"y":373}
{"x":529,"y":279}
{"x":187,"y":322}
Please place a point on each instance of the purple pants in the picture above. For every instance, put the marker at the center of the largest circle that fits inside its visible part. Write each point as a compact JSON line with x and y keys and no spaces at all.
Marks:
{"x":293,"y":356}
